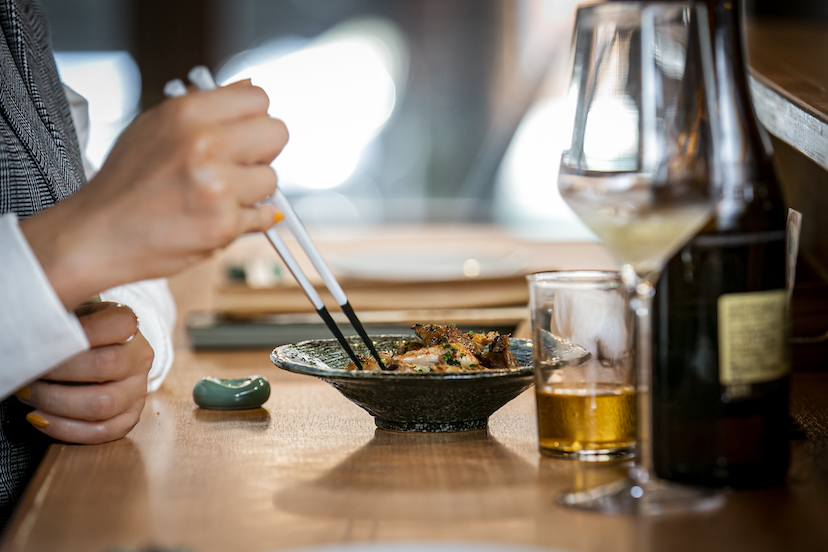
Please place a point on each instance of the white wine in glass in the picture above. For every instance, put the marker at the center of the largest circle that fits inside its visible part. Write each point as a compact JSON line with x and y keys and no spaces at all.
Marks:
{"x":641,"y":172}
{"x":642,"y":234}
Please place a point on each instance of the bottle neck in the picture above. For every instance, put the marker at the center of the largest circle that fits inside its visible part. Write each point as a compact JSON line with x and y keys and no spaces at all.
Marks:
{"x":730,"y":60}
{"x":746,"y":169}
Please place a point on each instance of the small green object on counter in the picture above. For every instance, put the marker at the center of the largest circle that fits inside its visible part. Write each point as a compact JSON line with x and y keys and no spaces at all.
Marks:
{"x":231,"y":394}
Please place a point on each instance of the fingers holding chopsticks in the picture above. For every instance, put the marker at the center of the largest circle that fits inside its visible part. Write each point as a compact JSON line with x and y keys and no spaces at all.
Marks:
{"x":233,"y":102}
{"x":182,"y":181}
{"x":253,"y":141}
{"x":261,"y":183}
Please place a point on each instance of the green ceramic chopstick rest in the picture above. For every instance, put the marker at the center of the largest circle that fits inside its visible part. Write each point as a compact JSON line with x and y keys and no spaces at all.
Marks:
{"x":231,"y":394}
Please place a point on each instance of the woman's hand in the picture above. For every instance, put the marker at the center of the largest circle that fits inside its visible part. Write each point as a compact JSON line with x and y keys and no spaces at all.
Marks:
{"x":98,"y":395}
{"x":182,"y":181}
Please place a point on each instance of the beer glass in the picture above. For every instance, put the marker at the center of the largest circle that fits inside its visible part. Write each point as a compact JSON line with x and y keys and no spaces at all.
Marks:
{"x":582,"y":353}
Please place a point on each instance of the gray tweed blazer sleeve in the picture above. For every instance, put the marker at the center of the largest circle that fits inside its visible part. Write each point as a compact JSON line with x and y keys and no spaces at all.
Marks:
{"x":40,"y":161}
{"x":40,"y":164}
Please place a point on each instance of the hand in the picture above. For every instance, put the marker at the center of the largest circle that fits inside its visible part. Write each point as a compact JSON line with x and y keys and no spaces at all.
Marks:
{"x":182,"y":181}
{"x":98,"y":395}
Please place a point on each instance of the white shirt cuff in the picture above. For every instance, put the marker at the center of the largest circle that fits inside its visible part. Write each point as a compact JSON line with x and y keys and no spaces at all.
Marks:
{"x":152,"y":303}
{"x":36,"y":331}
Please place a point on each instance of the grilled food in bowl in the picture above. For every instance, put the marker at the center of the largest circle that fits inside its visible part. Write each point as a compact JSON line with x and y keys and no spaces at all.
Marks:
{"x":411,"y":400}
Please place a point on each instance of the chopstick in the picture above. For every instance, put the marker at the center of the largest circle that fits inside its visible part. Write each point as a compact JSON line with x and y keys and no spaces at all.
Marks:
{"x":301,"y":234}
{"x":287,"y":257}
{"x":202,"y":79}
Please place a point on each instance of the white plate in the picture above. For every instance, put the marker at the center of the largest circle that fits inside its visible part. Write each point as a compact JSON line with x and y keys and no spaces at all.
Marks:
{"x":422,"y":547}
{"x":427,"y":264}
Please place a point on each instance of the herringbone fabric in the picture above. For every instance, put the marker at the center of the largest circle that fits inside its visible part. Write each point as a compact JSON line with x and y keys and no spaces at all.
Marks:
{"x":40,"y":164}
{"x":40,"y":161}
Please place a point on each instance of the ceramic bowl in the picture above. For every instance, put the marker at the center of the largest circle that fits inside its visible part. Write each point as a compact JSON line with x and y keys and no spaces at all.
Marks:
{"x":431,"y":402}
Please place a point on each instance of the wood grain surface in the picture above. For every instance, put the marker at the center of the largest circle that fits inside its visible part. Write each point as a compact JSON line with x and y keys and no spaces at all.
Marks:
{"x":793,"y":54}
{"x":310,"y":468}
{"x":789,"y":83}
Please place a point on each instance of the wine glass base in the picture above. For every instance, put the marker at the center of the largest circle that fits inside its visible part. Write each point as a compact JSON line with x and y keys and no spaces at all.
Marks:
{"x":644,"y":496}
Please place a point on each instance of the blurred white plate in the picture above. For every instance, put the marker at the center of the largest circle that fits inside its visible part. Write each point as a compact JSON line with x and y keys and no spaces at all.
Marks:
{"x":422,"y":547}
{"x":427,"y":264}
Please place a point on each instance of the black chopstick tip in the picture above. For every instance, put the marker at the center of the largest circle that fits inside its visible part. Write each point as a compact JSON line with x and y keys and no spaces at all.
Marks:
{"x":326,"y":316}
{"x":349,"y":312}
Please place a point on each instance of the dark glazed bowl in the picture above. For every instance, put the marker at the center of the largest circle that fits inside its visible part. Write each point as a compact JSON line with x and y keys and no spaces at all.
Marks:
{"x":433,"y":402}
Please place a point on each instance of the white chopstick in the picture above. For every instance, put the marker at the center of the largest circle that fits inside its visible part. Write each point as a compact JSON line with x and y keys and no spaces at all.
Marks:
{"x":301,"y":234}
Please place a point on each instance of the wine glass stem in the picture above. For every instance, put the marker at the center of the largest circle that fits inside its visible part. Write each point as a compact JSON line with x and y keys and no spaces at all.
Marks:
{"x":642,"y":304}
{"x":644,"y":295}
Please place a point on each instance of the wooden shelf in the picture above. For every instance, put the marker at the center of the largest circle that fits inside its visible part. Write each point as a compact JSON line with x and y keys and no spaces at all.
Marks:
{"x":789,"y":82}
{"x":789,"y":66}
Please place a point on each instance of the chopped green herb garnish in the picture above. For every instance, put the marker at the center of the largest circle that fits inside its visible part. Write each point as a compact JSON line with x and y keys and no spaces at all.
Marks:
{"x":450,"y":360}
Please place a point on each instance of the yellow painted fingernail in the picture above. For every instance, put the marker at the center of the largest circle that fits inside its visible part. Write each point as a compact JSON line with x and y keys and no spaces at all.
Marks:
{"x":36,"y":420}
{"x":23,"y":393}
{"x":278,"y":217}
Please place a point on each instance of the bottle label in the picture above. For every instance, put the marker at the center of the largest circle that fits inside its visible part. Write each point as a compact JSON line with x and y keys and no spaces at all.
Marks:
{"x":752,"y":329}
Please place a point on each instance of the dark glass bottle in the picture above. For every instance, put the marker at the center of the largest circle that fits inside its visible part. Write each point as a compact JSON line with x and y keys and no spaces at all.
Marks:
{"x":720,"y":353}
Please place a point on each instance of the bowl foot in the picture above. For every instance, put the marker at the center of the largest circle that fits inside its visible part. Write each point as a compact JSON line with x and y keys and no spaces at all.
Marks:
{"x":432,"y":427}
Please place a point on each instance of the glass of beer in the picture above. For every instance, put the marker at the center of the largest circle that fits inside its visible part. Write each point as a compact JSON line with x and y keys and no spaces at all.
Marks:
{"x":583,"y":357}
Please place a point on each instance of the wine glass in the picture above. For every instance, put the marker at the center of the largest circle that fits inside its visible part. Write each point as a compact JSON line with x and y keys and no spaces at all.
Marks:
{"x":640,"y":171}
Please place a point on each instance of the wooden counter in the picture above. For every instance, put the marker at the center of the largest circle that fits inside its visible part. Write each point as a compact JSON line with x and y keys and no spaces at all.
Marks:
{"x":789,"y":63}
{"x":789,"y":84}
{"x":310,"y":468}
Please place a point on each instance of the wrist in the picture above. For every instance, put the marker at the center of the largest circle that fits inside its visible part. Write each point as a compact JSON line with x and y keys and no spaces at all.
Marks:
{"x":72,"y":267}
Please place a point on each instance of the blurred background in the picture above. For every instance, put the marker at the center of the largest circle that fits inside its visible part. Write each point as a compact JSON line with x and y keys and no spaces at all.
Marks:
{"x":400,"y":111}
{"x":405,"y":114}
